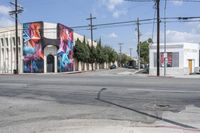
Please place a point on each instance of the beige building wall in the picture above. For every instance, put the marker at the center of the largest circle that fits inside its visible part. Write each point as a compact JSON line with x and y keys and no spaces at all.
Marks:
{"x":8,"y":50}
{"x":81,"y":38}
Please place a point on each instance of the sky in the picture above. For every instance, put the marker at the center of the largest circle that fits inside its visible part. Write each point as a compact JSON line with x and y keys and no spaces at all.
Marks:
{"x":74,"y":13}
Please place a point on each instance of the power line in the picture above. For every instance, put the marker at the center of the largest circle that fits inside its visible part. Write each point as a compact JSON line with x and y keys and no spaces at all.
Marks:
{"x":125,"y":23}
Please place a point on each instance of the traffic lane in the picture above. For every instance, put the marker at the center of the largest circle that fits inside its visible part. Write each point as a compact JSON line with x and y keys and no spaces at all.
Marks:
{"x":79,"y":94}
{"x":148,"y":83}
{"x":86,"y":98}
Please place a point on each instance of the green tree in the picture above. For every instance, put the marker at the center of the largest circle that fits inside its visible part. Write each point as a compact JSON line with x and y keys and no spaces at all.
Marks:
{"x":124,"y":59}
{"x":89,"y":54}
{"x":105,"y":55}
{"x":79,"y":51}
{"x":93,"y":56}
{"x":144,"y":51}
{"x":111,"y":53}
{"x":99,"y":54}
{"x":86,"y":52}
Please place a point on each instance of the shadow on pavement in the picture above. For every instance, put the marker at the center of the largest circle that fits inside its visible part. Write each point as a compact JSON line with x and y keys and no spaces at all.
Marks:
{"x":143,"y":113}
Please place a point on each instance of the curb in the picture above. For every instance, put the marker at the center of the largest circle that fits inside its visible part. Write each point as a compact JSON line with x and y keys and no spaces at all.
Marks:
{"x":74,"y":72}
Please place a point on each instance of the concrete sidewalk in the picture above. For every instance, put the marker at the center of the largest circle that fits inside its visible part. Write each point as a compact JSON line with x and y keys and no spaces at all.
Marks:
{"x":118,"y":129}
{"x":72,"y":72}
{"x":194,"y":76}
{"x":189,"y":117}
{"x":186,"y":121}
{"x":189,"y":76}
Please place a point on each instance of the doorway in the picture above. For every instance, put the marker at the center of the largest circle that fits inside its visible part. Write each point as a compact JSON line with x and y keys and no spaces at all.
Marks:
{"x":50,"y":63}
{"x":190,"y":66}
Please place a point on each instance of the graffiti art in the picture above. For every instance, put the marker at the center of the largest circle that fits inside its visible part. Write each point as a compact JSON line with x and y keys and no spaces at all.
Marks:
{"x":65,"y":51}
{"x":33,"y":61}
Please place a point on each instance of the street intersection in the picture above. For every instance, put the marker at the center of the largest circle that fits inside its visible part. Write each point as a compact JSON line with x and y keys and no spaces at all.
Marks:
{"x":109,"y":100}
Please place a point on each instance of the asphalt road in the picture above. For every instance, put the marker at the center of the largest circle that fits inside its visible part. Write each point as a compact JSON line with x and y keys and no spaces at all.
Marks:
{"x":30,"y":102}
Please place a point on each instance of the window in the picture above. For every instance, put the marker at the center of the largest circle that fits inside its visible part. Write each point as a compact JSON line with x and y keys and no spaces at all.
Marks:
{"x":175,"y":59}
{"x":172,"y":59}
{"x":14,"y":54}
{"x":7,"y":41}
{"x":3,"y":54}
{"x":19,"y":41}
{"x":13,"y":38}
{"x":2,"y":42}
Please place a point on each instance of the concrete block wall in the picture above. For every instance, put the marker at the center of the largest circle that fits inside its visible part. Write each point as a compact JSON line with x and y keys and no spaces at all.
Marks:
{"x":170,"y":71}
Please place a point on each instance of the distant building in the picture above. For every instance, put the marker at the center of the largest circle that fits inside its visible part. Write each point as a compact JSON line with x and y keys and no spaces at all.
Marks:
{"x":43,"y":47}
{"x":182,"y":58}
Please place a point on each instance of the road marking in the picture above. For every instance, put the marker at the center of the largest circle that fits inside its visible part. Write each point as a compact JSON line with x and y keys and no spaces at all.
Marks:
{"x":164,"y":90}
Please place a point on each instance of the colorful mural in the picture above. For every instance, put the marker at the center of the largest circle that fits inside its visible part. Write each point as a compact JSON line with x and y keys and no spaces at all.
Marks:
{"x":32,"y":48}
{"x":65,"y":51}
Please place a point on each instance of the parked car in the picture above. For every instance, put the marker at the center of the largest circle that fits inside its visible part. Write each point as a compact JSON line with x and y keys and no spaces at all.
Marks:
{"x":113,"y":66}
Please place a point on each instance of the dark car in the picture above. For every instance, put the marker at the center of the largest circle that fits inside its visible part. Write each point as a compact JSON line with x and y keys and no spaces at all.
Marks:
{"x":113,"y":66}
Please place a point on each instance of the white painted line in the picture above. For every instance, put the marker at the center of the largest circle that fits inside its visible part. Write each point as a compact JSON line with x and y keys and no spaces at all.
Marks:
{"x":163,"y":90}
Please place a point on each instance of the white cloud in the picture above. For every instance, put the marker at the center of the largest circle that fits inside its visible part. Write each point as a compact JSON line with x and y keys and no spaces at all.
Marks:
{"x":4,"y":10}
{"x":174,"y":36}
{"x":113,"y":35}
{"x":113,"y":6}
{"x":4,"y":16}
{"x":195,"y":26}
{"x":178,"y":2}
{"x":4,"y":22}
{"x":118,"y":13}
{"x":177,"y":36}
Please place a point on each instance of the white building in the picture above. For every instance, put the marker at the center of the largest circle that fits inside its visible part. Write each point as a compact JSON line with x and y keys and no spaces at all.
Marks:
{"x":43,"y":40}
{"x":182,"y":58}
{"x":8,"y":50}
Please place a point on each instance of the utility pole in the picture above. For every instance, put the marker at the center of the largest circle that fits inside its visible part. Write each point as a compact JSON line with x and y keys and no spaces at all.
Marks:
{"x":16,"y":38}
{"x":165,"y":52}
{"x":120,"y":52}
{"x":158,"y":36}
{"x":91,"y":27}
{"x":138,"y":31}
{"x":18,"y":9}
